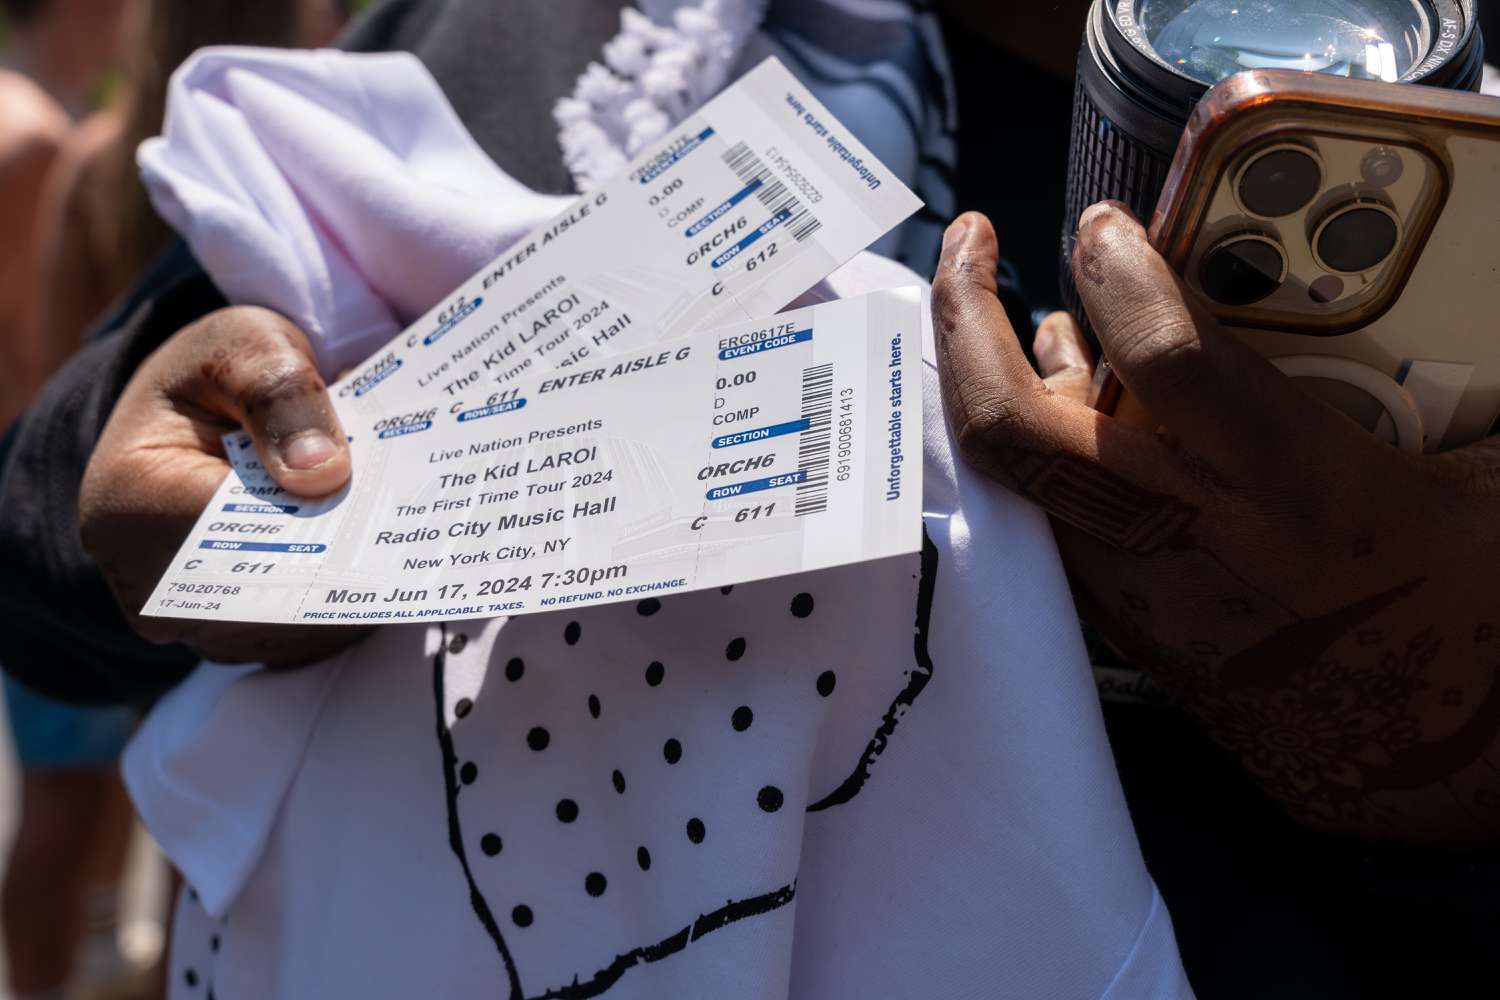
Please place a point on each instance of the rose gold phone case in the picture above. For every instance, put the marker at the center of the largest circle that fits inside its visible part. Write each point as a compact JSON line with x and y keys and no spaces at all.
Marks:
{"x":1420,"y":334}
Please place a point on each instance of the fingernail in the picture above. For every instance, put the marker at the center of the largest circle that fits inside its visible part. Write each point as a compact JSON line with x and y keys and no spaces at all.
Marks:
{"x":1092,"y":213}
{"x":308,"y":450}
{"x":955,"y":232}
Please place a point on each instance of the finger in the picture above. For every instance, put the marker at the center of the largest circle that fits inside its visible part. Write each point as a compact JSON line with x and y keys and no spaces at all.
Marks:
{"x":1118,"y":483}
{"x":1064,"y":357}
{"x":257,"y":369}
{"x":1206,"y":387}
{"x":988,"y":385}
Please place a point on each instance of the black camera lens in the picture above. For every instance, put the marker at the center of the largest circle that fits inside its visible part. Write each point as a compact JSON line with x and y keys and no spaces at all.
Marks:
{"x":1279,"y":182}
{"x":1242,"y":269}
{"x":1356,"y":237}
{"x":1145,"y":63}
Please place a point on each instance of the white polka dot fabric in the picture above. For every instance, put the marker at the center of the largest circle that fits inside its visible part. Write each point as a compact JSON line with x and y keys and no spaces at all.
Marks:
{"x":880,"y":780}
{"x":888,"y":780}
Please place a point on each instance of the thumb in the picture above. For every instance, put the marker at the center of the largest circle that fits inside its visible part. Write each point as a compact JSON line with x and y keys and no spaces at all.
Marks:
{"x":258,"y":370}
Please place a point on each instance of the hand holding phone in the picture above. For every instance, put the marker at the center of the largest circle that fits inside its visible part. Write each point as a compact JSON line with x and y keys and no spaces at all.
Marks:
{"x":1316,"y":598}
{"x":1349,"y":232}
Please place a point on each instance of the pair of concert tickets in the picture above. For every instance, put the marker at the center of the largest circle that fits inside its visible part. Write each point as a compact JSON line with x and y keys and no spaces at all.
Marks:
{"x":612,"y":409}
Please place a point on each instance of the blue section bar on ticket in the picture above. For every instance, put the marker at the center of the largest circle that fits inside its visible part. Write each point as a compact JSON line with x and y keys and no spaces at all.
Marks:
{"x":785,"y":340}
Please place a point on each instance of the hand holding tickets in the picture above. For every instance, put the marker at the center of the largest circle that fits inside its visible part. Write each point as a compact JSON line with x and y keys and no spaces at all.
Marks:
{"x":756,"y":450}
{"x":564,"y":429}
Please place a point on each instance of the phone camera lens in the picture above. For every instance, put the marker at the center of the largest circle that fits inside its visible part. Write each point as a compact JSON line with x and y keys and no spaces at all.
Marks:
{"x":1356,"y":238}
{"x":1279,"y":182}
{"x":1381,"y":167}
{"x":1242,"y":269}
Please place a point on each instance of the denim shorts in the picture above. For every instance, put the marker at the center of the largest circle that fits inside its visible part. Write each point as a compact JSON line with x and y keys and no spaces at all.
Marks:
{"x":53,"y":735}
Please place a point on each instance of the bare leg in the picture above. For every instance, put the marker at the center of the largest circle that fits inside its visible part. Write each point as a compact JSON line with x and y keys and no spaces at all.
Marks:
{"x":74,"y":828}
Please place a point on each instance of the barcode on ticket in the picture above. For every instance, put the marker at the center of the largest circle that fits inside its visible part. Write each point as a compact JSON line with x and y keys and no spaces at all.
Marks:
{"x":773,"y":194}
{"x":813,"y":442}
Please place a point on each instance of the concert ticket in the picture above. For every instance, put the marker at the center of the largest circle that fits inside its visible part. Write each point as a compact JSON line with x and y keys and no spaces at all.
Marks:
{"x":745,"y":205}
{"x":758,"y":449}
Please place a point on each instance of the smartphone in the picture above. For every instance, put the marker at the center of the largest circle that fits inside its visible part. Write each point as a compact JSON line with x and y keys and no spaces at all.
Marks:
{"x":1349,"y":232}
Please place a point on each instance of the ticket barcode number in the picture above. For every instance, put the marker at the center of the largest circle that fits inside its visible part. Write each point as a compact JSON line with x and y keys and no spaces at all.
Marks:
{"x":800,"y":222}
{"x":813,"y":442}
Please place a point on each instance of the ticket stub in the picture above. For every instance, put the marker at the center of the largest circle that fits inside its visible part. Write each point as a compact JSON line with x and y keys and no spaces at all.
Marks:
{"x":745,"y":205}
{"x":755,"y":450}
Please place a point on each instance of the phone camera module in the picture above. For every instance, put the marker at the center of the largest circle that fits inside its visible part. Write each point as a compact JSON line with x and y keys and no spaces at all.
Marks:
{"x":1279,"y":182}
{"x":1356,"y":237}
{"x":1381,"y":167}
{"x":1242,"y":269}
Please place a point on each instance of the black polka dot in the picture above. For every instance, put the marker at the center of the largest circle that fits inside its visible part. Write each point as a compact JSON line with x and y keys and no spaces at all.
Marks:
{"x":567,"y":810}
{"x":643,"y":858}
{"x":826,"y":681}
{"x":594,"y":884}
{"x":672,"y":750}
{"x":655,"y":672}
{"x":741,"y":718}
{"x":514,"y":669}
{"x":521,"y":916}
{"x":457,"y":643}
{"x":463,"y":707}
{"x":802,"y":605}
{"x":594,"y":705}
{"x":619,"y":782}
{"x":695,"y":830}
{"x":490,"y":844}
{"x":648,"y":607}
{"x":468,"y":772}
{"x":190,"y":977}
{"x":538,"y":738}
{"x":769,"y":798}
{"x":735,"y":649}
{"x":725,"y":590}
{"x":213,"y":944}
{"x":572,"y":632}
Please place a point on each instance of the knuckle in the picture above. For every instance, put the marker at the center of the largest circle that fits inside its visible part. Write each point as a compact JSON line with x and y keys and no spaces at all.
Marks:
{"x":1155,"y":335}
{"x":280,"y":378}
{"x":989,"y":413}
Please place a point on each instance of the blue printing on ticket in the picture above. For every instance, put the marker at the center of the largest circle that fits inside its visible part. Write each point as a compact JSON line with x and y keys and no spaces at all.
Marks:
{"x":238,"y":546}
{"x":769,"y":344}
{"x":759,"y":231}
{"x":260,"y":508}
{"x":378,"y":378}
{"x":447,"y":327}
{"x":490,"y":411}
{"x":761,"y":433}
{"x":757,"y":485}
{"x":723,"y":207}
{"x":662,"y":166}
{"x":404,"y":429}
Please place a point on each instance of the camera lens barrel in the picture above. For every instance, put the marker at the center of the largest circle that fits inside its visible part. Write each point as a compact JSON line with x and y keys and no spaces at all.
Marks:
{"x":1131,"y":102}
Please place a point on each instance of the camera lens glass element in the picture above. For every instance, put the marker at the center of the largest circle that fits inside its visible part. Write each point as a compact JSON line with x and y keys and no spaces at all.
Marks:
{"x":1211,"y":39}
{"x":1279,"y":182}
{"x":1242,"y":269}
{"x":1356,"y":237}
